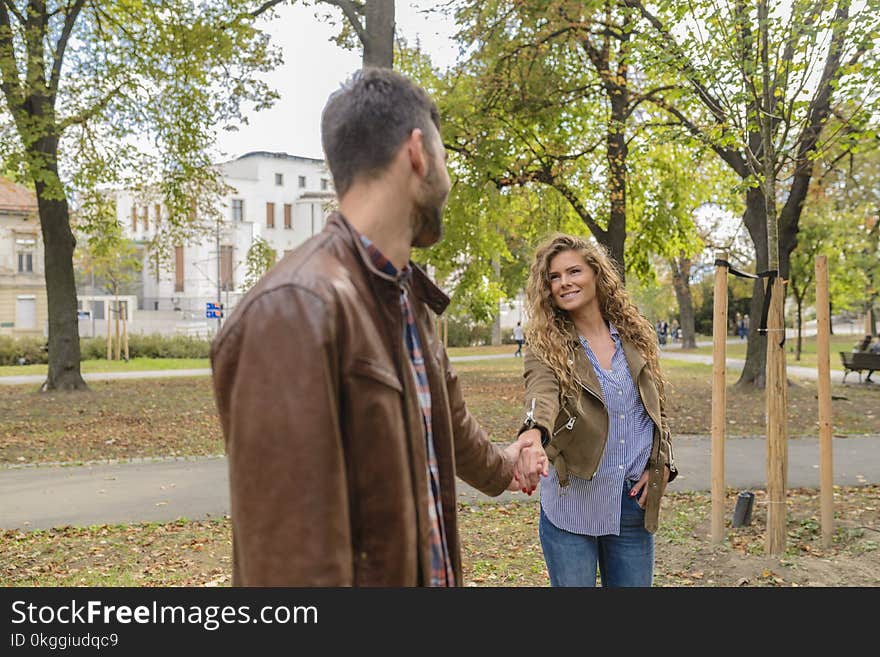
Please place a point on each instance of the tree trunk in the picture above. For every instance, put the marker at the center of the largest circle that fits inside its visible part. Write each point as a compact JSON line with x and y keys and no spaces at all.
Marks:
{"x":800,"y":325}
{"x":681,"y":278}
{"x":64,"y":353}
{"x":496,"y":324}
{"x":755,"y":219}
{"x":379,"y":34}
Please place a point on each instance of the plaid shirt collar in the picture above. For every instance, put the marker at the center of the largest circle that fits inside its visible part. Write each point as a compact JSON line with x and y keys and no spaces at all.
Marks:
{"x":383,"y":264}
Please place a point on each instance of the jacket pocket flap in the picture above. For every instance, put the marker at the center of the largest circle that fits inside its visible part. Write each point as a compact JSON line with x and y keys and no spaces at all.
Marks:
{"x":373,"y":370}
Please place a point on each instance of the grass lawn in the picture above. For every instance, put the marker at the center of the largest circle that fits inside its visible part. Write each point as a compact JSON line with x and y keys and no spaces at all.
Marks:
{"x":177,"y":417}
{"x":808,"y":350}
{"x":134,"y":365}
{"x":500,"y":547}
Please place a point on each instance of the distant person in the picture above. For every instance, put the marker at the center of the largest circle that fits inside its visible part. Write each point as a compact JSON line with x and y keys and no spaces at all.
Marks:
{"x":745,"y":326}
{"x":594,"y":394}
{"x":875,"y":349}
{"x":519,"y":338}
{"x":344,"y":422}
{"x":864,"y":345}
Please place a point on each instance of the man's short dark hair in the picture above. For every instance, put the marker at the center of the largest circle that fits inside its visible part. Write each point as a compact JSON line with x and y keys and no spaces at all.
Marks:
{"x":366,"y":121}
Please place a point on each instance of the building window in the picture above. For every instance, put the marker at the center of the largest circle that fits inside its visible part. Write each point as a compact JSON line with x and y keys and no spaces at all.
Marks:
{"x":279,"y":179}
{"x":178,"y":269}
{"x":25,"y":263}
{"x":158,"y":210}
{"x":134,"y":218}
{"x":24,"y":247}
{"x":325,"y":184}
{"x":26,"y":312}
{"x":288,"y":219}
{"x":302,"y":182}
{"x":226,"y":269}
{"x":237,"y":209}
{"x":145,"y":217}
{"x":270,"y":215}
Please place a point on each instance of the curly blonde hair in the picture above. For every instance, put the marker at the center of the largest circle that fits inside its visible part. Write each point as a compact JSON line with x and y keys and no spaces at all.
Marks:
{"x":547,"y":330}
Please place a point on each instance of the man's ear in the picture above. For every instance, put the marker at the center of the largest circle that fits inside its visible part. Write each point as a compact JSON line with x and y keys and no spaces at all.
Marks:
{"x":418,"y":157}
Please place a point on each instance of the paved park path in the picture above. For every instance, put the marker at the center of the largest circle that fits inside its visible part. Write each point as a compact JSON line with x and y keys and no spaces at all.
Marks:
{"x":166,"y":489}
{"x":196,"y":488}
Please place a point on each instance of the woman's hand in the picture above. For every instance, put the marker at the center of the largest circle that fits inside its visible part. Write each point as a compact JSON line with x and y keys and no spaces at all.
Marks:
{"x":530,"y":461}
{"x":640,"y":488}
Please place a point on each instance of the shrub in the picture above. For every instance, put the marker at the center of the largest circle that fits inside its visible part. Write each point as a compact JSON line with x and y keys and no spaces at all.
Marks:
{"x":22,"y":351}
{"x":466,"y":334}
{"x":30,"y":350}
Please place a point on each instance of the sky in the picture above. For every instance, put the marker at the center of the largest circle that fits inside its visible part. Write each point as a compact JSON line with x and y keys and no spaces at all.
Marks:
{"x":314,"y":67}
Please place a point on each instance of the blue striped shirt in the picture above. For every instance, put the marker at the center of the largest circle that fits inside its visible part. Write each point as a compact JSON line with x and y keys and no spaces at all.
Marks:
{"x":592,"y":506}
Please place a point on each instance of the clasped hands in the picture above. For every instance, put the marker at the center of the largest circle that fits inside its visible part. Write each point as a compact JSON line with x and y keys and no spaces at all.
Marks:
{"x":529,"y":461}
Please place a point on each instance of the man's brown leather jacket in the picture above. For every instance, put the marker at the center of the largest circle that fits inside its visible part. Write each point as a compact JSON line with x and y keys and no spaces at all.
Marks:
{"x":323,"y":428}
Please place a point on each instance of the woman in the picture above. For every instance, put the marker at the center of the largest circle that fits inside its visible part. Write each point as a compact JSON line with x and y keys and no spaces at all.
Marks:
{"x":594,"y":396}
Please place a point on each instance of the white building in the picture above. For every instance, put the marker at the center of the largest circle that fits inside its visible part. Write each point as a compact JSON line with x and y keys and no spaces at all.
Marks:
{"x":23,"y":307}
{"x":282,"y":198}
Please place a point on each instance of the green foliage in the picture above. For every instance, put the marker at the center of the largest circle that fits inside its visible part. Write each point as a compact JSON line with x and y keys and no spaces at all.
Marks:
{"x":32,"y":350}
{"x":463,"y":333}
{"x":113,"y":260}
{"x":260,"y":258}
{"x":22,"y":350}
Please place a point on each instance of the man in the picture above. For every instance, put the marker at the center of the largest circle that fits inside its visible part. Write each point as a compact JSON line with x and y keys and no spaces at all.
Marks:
{"x":519,"y":337}
{"x":344,"y":423}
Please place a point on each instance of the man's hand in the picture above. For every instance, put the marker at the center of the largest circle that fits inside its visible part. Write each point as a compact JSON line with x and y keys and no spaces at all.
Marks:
{"x":640,"y":488}
{"x":529,"y":459}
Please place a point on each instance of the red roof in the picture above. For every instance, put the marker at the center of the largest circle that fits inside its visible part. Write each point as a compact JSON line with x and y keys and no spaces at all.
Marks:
{"x":15,"y":198}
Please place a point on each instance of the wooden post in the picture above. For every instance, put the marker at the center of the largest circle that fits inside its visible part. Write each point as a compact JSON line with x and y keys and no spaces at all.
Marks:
{"x":719,"y":397}
{"x":777,"y":431}
{"x":823,"y":352}
{"x":118,"y":343}
{"x":125,"y":330}
{"x":107,"y":312}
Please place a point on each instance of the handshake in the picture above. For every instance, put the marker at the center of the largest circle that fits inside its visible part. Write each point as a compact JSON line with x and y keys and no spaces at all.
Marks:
{"x":529,"y":461}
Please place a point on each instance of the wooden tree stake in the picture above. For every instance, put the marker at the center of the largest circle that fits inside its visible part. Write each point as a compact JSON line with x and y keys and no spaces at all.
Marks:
{"x":719,"y":397}
{"x":823,"y":351}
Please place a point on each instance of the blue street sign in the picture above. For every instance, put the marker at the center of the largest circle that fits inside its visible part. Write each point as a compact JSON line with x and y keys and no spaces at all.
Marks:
{"x":213,"y":310}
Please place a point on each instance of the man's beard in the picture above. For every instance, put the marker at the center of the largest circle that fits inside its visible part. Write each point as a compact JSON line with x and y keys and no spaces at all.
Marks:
{"x":427,"y":217}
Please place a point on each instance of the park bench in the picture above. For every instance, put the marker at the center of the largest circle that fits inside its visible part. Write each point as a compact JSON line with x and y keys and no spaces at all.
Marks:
{"x":858,"y":361}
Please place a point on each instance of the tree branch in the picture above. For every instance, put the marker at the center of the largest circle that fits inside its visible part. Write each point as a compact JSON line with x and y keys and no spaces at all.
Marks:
{"x":61,"y":46}
{"x":83,"y":117}
{"x":684,"y":63}
{"x":8,"y":4}
{"x":351,"y":11}
{"x":734,"y":159}
{"x":10,"y":80}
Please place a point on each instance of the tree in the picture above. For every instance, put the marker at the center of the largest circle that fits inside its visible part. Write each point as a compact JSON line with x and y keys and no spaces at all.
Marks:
{"x":81,"y":80}
{"x":115,"y":262}
{"x":370,"y":23}
{"x":764,"y":79}
{"x":259,"y":259}
{"x":552,"y":96}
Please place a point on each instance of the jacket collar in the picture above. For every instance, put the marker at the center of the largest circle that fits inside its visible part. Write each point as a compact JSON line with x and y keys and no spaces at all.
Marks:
{"x":583,"y":368}
{"x":422,"y":286}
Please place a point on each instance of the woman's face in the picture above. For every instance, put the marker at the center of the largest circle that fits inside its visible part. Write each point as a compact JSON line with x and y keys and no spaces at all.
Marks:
{"x":572,"y":282}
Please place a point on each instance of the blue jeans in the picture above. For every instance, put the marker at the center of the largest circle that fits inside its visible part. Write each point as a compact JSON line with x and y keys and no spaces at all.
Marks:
{"x":625,"y":560}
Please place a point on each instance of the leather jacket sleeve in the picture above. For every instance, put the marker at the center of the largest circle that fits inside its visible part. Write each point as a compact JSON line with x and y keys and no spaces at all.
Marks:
{"x":666,"y":453}
{"x":542,"y":394}
{"x":290,"y":509}
{"x":477,"y":461}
